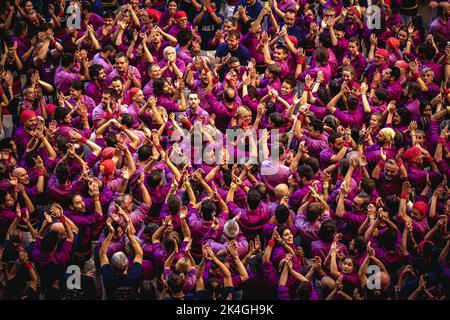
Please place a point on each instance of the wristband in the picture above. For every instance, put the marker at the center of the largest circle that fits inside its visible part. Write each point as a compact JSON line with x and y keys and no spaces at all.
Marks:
{"x":441,"y":140}
{"x":188,"y":124}
{"x":29,"y":265}
{"x":361,"y":140}
{"x":300,"y":61}
{"x":430,"y":159}
{"x":209,"y":9}
{"x":307,"y":88}
{"x":62,"y":219}
{"x":381,"y":164}
{"x":122,"y":128}
{"x":53,"y":42}
{"x":399,"y":161}
{"x":271,"y":243}
{"x":206,"y":70}
{"x":347,"y":144}
{"x":109,"y":116}
{"x":83,"y":139}
{"x":404,"y":196}
{"x":159,"y":148}
{"x":41,"y":173}
{"x":416,"y":75}
{"x":300,"y":117}
{"x":446,"y":90}
{"x":215,"y":80}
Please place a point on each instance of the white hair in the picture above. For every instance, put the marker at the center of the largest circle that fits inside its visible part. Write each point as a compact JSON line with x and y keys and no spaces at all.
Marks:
{"x":167,"y":49}
{"x":119,"y":262}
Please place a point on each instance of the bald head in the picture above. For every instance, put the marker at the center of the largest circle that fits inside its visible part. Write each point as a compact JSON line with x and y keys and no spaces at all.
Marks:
{"x":57,"y":227}
{"x":21,"y":175}
{"x":281,"y":190}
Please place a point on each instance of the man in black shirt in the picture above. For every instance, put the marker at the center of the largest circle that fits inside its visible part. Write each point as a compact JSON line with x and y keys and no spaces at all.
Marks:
{"x":121,"y":282}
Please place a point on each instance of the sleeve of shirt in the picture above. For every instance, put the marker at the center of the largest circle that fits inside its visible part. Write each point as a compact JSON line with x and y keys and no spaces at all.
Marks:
{"x":84,"y":221}
{"x":270,"y":275}
{"x":234,"y":209}
{"x":216,"y":107}
{"x":63,"y":255}
{"x":139,"y":215}
{"x":283,"y":293}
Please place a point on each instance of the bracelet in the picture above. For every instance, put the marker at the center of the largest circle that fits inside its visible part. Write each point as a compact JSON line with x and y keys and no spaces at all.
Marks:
{"x":283,"y":243}
{"x":361,"y":140}
{"x":188,"y":124}
{"x":271,"y":243}
{"x":41,"y":173}
{"x":405,"y":195}
{"x":233,"y":185}
{"x":83,"y":139}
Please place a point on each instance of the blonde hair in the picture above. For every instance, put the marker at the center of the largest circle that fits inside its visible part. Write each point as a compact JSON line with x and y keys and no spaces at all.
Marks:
{"x":183,"y":265}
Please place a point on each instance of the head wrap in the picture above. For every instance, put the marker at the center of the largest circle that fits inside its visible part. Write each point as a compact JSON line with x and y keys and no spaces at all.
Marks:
{"x":133,"y":91}
{"x":383,"y":52}
{"x":422,"y":207}
{"x":27,"y":115}
{"x":107,"y":153}
{"x":389,"y":133}
{"x":108,"y":166}
{"x":393,"y":42}
{"x":154,"y":14}
{"x":411,"y":153}
{"x":402,"y":64}
{"x":50,"y":108}
{"x":293,"y":40}
{"x":179,"y":15}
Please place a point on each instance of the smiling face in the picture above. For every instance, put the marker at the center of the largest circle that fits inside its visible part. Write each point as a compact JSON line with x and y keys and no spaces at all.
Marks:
{"x":288,"y":236}
{"x":390,"y":171}
{"x":170,"y":54}
{"x":172,"y":7}
{"x":402,"y":36}
{"x":155,"y":72}
{"x":76,"y":94}
{"x":286,"y":88}
{"x":233,"y":42}
{"x":78,"y":204}
{"x":353,"y":48}
{"x":347,"y":265}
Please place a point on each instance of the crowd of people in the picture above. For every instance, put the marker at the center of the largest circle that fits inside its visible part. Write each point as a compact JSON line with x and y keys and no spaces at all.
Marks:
{"x":115,"y":182}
